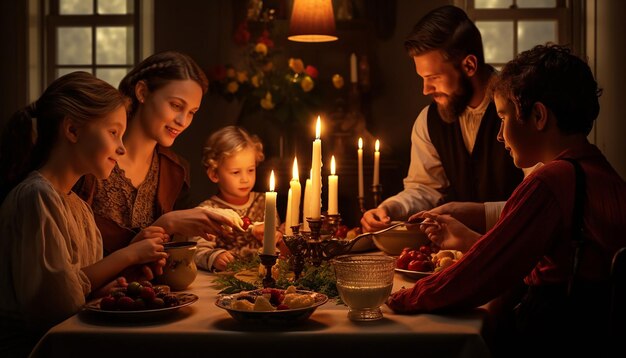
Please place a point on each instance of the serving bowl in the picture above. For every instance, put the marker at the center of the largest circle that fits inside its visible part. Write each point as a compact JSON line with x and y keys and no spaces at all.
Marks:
{"x":393,"y":241}
{"x":277,"y":317}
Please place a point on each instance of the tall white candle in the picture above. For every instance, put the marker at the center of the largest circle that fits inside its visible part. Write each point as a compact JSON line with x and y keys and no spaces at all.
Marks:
{"x":316,"y":174}
{"x":360,"y":165}
{"x":306,"y":208}
{"x":269,"y":233}
{"x":333,"y":184}
{"x":288,"y":224}
{"x":296,"y":193}
{"x":353,"y":73}
{"x":376,"y":180}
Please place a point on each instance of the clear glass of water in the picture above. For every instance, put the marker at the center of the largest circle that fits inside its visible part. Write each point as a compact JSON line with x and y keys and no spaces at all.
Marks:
{"x":364,"y":283}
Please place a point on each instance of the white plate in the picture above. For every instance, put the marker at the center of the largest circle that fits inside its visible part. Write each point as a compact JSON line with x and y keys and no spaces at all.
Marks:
{"x":413,"y":274}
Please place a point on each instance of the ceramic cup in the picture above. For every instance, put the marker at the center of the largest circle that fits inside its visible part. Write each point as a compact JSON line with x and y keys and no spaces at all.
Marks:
{"x":180,"y":269}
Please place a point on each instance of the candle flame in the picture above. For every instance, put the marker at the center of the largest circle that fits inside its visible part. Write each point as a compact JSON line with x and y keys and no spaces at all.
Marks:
{"x":332,"y":165}
{"x":377,"y":146}
{"x":272,"y":181}
{"x":318,"y":128}
{"x":294,"y":172}
{"x":360,"y":143}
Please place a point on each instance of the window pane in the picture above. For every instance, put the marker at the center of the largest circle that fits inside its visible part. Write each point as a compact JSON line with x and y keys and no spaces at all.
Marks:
{"x":74,"y":45}
{"x":66,"y":70}
{"x":112,"y":75}
{"x":76,"y":7}
{"x":113,"y":45}
{"x":492,"y":4}
{"x":536,"y":3}
{"x":108,"y":7}
{"x":497,"y":40}
{"x":531,"y":33}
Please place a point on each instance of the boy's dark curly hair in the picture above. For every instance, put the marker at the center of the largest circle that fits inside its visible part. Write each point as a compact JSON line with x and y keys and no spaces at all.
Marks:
{"x":552,"y":75}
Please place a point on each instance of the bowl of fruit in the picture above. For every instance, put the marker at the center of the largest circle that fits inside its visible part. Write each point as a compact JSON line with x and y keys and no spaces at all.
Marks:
{"x":392,"y":242}
{"x":271,"y":305}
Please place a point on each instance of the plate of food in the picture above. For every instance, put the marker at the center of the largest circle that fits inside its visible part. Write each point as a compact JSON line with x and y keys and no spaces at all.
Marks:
{"x":271,"y":305}
{"x":413,"y":274}
{"x":418,"y":263}
{"x":140,"y":300}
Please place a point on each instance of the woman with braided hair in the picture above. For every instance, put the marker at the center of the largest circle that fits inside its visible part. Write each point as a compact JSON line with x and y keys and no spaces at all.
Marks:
{"x":149,"y":184}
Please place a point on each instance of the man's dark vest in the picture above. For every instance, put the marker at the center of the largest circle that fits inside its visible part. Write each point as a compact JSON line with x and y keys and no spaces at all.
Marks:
{"x":488,"y":174}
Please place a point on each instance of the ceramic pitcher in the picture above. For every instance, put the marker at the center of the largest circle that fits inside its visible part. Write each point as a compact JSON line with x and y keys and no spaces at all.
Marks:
{"x":180,"y":269}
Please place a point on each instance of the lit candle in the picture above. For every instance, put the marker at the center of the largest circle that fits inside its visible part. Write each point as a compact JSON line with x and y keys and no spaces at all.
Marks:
{"x":306,"y":208}
{"x":316,"y":174}
{"x":376,"y":180}
{"x":353,"y":76}
{"x":288,"y":225}
{"x":296,"y":192}
{"x":333,"y":184}
{"x":269,"y":237}
{"x":360,"y":155}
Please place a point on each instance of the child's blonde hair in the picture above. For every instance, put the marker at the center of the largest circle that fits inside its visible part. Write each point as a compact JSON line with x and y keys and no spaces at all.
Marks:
{"x":228,"y":141}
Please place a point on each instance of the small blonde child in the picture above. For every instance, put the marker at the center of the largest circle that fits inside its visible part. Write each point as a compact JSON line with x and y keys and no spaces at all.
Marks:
{"x":230,"y":157}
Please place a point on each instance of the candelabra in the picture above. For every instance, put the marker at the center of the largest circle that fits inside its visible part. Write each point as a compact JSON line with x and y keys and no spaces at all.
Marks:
{"x":317,"y":245}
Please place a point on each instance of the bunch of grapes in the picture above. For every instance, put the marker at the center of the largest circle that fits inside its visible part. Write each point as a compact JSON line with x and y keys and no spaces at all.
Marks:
{"x":139,"y":296}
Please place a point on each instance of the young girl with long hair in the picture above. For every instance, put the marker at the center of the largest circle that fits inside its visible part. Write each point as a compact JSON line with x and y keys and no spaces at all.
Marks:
{"x":50,"y":247}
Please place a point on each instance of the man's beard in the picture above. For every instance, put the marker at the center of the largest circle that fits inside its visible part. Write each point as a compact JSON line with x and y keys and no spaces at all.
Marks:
{"x":457,"y":101}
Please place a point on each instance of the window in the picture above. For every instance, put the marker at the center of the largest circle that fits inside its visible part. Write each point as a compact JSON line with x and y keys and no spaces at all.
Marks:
{"x":509,"y":27}
{"x":97,"y":36}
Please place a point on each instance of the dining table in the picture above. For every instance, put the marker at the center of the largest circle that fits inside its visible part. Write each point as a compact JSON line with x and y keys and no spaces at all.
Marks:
{"x":203,"y":329}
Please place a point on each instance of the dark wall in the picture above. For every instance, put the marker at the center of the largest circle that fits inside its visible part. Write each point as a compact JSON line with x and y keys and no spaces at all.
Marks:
{"x":14,"y":58}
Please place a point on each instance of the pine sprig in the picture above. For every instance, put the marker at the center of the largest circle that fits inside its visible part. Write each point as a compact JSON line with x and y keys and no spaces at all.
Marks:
{"x":319,"y":279}
{"x":231,"y":284}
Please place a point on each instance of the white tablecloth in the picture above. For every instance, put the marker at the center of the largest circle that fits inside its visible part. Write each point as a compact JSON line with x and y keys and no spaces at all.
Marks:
{"x":203,"y":330}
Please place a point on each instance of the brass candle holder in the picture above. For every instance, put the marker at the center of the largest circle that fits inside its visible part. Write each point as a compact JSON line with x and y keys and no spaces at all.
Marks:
{"x":377,"y":192}
{"x":268,"y":261}
{"x":331,"y":224}
{"x":361,"y":204}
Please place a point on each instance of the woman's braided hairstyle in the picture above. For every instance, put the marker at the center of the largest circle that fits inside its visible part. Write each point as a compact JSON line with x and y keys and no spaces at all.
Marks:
{"x":157,"y":71}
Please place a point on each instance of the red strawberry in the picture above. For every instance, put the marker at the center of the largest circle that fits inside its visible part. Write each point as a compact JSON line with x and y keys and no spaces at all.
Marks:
{"x":246,"y":222}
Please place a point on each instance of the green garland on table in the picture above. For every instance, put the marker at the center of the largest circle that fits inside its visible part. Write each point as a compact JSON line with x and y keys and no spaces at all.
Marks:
{"x":319,"y":279}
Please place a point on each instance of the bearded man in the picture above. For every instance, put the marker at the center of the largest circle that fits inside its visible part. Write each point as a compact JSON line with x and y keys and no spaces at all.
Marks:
{"x":455,"y":154}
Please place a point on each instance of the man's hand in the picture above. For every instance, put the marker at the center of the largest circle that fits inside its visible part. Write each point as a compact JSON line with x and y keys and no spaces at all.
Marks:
{"x":375,"y":219}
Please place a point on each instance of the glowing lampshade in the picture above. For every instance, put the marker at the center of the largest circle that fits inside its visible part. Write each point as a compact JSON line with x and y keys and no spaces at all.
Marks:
{"x":312,"y":21}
